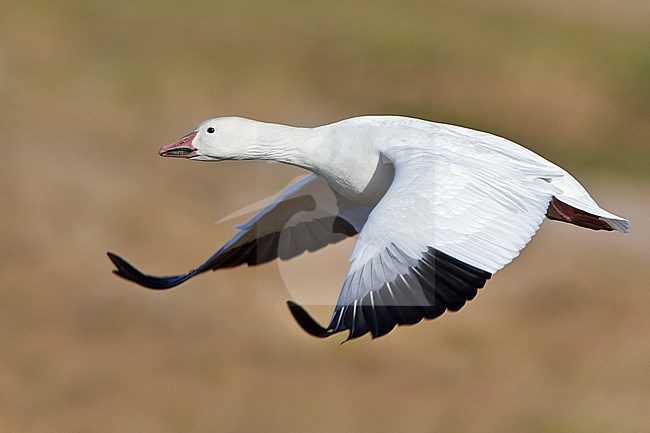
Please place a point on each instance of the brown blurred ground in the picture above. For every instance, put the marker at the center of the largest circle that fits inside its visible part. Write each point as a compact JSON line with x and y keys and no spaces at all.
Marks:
{"x":558,"y":341}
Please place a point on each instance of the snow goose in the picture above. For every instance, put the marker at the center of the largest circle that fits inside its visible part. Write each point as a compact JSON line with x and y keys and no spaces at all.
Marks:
{"x":438,"y":210}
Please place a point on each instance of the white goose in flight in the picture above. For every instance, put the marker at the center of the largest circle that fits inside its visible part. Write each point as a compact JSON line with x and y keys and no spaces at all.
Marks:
{"x":438,"y":210}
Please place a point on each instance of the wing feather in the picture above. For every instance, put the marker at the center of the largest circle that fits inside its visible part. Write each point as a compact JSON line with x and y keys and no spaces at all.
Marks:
{"x":439,"y":233}
{"x":306,"y":216}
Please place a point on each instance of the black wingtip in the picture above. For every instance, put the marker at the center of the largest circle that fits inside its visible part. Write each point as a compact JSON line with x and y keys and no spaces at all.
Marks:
{"x":306,"y":322}
{"x":128,"y":272}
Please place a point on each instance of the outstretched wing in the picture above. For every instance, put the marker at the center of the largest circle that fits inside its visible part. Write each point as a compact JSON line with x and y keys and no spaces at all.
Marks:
{"x":443,"y":228}
{"x":306,"y":216}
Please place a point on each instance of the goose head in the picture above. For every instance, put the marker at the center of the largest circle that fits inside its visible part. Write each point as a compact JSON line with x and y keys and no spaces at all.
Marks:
{"x":215,"y":139}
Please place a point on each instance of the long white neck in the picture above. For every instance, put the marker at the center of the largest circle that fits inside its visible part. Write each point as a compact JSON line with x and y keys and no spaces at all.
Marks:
{"x":345,"y":157}
{"x":282,"y":143}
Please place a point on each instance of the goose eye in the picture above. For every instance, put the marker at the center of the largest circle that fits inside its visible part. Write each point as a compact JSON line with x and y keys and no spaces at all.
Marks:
{"x":210,"y":130}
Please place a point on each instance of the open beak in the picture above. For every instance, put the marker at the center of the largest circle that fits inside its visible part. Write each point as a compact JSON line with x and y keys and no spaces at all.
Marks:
{"x":180,"y":149}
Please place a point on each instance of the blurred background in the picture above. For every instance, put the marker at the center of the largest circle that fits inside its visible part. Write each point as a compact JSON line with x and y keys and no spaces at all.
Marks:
{"x":558,"y":341}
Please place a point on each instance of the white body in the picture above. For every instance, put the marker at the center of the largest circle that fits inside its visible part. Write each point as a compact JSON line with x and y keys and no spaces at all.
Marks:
{"x":350,"y":154}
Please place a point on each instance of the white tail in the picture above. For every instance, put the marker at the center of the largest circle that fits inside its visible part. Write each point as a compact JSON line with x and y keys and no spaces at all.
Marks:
{"x":574,"y":205}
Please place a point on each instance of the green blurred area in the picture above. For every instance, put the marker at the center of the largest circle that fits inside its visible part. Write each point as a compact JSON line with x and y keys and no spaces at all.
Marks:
{"x":570,"y":81}
{"x":558,"y":341}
